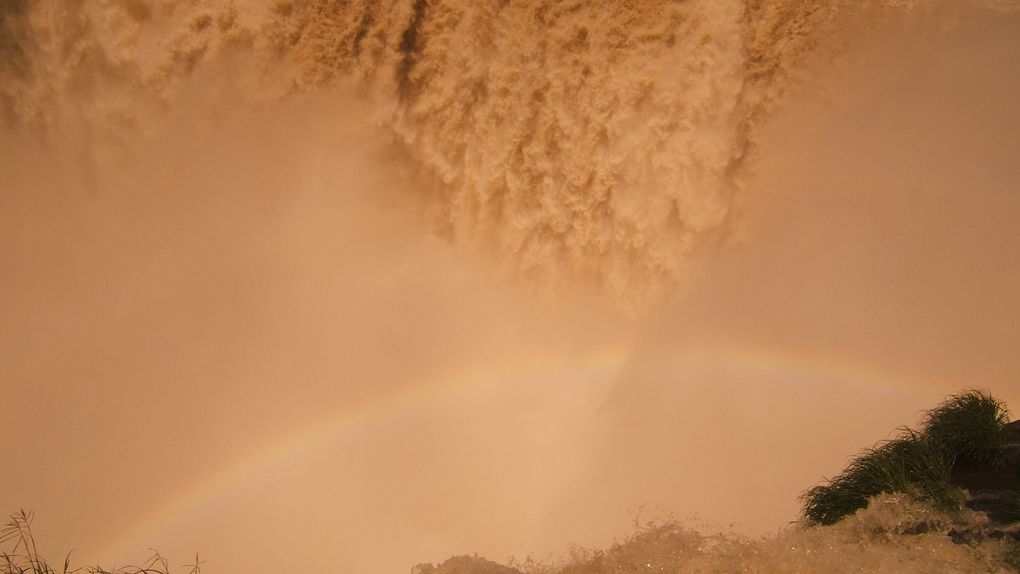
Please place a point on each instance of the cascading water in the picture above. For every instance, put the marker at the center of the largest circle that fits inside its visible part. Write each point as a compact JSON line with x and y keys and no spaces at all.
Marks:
{"x":591,"y":143}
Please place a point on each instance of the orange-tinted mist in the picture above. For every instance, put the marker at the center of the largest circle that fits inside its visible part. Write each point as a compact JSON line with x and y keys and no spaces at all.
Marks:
{"x":315,"y":289}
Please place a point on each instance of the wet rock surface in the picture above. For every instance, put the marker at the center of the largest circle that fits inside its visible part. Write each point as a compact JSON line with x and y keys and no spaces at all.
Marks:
{"x":995,"y":490}
{"x":978,"y":535}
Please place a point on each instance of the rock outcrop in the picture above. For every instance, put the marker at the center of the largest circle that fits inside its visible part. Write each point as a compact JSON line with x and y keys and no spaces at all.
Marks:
{"x":996,"y":490}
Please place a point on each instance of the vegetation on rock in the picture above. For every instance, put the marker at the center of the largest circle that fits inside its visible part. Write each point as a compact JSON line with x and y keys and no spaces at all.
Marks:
{"x":963,"y":443}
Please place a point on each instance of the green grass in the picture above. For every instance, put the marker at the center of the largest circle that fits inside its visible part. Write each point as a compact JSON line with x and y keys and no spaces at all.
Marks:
{"x":20,"y":555}
{"x":968,"y":428}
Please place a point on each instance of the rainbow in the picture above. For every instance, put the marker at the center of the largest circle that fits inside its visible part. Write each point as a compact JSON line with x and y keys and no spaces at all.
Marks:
{"x":293,"y":448}
{"x":601,"y":365}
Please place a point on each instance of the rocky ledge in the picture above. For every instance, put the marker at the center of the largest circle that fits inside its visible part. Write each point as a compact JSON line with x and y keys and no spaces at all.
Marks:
{"x":996,"y":490}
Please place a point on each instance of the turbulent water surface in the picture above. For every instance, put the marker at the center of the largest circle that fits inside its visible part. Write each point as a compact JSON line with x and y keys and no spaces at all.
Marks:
{"x":351,"y":285}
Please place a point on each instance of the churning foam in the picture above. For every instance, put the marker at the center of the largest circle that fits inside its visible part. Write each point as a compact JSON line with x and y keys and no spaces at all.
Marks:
{"x":594,"y":143}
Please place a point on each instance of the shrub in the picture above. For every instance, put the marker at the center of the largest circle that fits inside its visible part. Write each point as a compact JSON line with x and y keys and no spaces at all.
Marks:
{"x":909,"y":464}
{"x":968,"y":428}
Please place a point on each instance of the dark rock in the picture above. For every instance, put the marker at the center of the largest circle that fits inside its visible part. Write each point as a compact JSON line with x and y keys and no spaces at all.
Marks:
{"x":1006,"y":476}
{"x":974,"y":536}
{"x":995,"y":490}
{"x":919,"y":528}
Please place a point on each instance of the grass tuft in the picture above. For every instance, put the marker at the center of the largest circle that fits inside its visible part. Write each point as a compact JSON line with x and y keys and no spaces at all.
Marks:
{"x":966,"y":429}
{"x":19,"y":555}
{"x":908,"y":463}
{"x":970,"y":426}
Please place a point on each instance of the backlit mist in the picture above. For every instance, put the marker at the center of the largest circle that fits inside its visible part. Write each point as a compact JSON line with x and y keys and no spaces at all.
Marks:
{"x":327,"y":287}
